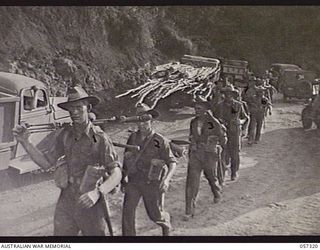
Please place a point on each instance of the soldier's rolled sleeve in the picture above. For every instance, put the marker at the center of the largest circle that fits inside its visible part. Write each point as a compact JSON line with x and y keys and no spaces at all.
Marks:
{"x":110,"y":155}
{"x":167,"y":153}
{"x":243,"y":113}
{"x":55,"y":148}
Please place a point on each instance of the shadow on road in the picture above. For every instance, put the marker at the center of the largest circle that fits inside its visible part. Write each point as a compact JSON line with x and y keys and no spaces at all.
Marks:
{"x":40,"y":218}
{"x":10,"y":179}
{"x":285,"y":165}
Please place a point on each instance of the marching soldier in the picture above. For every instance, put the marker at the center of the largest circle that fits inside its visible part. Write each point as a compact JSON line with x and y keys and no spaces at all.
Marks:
{"x":229,"y":112}
{"x":85,"y":148}
{"x":244,"y":116}
{"x":147,"y":174}
{"x":258,"y":105}
{"x":217,"y":96}
{"x":250,"y":90}
{"x":206,"y":133}
{"x":270,"y":90}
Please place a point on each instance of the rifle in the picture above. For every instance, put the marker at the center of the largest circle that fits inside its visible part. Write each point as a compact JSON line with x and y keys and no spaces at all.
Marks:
{"x":221,"y":168}
{"x":48,"y":127}
{"x":105,"y":205}
{"x":122,"y":119}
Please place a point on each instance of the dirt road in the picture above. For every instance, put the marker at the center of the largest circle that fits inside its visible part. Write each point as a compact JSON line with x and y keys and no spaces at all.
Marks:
{"x":278,"y":192}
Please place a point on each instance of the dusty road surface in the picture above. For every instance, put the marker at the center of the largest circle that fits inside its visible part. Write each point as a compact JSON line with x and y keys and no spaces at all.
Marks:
{"x":278,"y":192}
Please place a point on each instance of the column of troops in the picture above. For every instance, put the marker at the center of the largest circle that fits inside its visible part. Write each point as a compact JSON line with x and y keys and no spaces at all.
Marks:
{"x":88,"y":167}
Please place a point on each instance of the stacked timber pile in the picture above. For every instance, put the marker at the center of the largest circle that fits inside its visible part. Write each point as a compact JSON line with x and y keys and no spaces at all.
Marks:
{"x":169,"y":78}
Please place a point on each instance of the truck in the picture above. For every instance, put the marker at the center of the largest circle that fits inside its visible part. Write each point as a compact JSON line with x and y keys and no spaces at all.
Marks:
{"x":298,"y":84}
{"x":176,"y":84}
{"x":235,"y":70}
{"x":293,"y":81}
{"x":24,"y":100}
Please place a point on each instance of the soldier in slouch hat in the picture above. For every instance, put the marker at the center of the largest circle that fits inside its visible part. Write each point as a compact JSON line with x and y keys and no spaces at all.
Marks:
{"x":206,"y":134}
{"x":83,"y":146}
{"x":147,"y":174}
{"x":229,"y":112}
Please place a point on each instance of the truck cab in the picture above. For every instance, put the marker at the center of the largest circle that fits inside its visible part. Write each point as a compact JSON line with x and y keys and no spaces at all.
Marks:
{"x":24,"y":100}
{"x":277,"y":71}
{"x":235,"y":70}
{"x":298,"y":84}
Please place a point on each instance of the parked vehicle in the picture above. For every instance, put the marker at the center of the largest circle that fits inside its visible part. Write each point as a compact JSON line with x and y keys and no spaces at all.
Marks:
{"x":277,"y":68}
{"x":292,"y":81}
{"x":277,"y":71}
{"x":299,"y":84}
{"x":236,"y":70}
{"x":176,"y":84}
{"x":24,"y":100}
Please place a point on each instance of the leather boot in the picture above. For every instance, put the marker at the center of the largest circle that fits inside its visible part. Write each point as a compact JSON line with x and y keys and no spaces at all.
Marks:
{"x":166,"y":231}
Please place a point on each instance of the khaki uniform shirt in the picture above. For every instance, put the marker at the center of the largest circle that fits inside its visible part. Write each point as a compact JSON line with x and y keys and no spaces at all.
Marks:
{"x":202,"y":128}
{"x":259,"y":105}
{"x":230,"y":112}
{"x":92,"y":147}
{"x":249,"y":95}
{"x":157,"y":148}
{"x":205,"y":136}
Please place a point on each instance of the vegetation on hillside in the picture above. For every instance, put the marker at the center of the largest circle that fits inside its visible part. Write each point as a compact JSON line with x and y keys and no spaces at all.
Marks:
{"x":107,"y":49}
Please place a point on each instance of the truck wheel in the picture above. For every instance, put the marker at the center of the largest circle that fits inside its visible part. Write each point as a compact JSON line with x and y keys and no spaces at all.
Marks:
{"x":306,"y":118}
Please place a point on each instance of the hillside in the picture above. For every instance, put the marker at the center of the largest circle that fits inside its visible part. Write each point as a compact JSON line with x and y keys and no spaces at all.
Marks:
{"x":112,"y":48}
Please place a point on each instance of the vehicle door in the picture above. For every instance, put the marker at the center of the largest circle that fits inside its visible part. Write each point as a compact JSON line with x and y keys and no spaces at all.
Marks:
{"x":289,"y":83}
{"x":35,"y":109}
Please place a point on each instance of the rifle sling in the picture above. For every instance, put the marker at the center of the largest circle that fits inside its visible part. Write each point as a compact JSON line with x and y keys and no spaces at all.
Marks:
{"x":133,"y":166}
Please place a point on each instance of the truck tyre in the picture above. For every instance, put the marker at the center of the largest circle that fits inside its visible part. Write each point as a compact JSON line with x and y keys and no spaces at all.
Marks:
{"x":306,"y":118}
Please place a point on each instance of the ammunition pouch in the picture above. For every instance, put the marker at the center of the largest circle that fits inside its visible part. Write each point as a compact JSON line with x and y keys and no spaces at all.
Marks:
{"x":201,"y":149}
{"x":158,"y":170}
{"x":61,"y":173}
